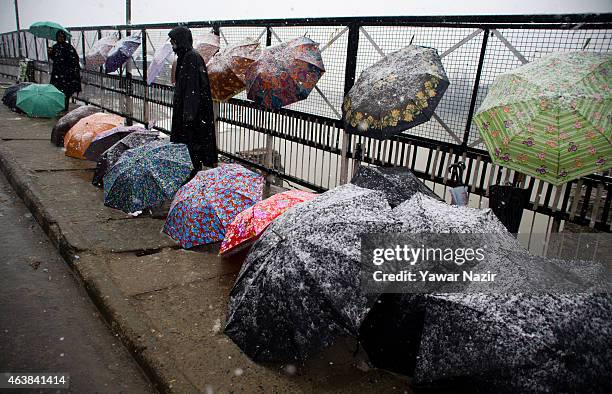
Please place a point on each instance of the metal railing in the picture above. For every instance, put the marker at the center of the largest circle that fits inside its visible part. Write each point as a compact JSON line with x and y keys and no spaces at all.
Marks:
{"x":305,"y":145}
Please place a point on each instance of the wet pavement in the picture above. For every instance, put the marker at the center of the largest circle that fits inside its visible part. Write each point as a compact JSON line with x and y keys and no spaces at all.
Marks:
{"x":47,"y":321}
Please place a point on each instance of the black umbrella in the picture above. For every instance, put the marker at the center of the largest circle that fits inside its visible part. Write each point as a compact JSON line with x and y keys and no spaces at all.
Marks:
{"x":105,"y":140}
{"x":112,"y":154}
{"x":10,"y":96}
{"x":399,"y":92}
{"x":65,"y":123}
{"x":398,"y":183}
{"x":299,"y":288}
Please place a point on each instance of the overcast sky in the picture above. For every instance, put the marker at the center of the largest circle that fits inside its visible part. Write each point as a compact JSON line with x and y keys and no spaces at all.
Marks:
{"x":109,"y":12}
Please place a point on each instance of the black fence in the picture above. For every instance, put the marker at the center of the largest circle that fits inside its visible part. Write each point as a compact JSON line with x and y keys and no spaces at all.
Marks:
{"x":304,"y":144}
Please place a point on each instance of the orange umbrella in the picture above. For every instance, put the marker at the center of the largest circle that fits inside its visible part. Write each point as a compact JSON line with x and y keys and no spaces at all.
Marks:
{"x":85,"y":130}
{"x":226,"y":69}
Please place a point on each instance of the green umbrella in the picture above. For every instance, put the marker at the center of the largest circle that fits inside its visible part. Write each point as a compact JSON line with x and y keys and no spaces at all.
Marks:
{"x":551,"y":118}
{"x":48,"y":30}
{"x":40,"y":100}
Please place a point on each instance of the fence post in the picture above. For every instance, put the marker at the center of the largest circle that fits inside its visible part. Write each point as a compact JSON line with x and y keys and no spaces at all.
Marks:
{"x":25,"y":43}
{"x":269,"y":158}
{"x":349,"y":80}
{"x":468,"y":123}
{"x":145,"y":96}
{"x":129,"y":103}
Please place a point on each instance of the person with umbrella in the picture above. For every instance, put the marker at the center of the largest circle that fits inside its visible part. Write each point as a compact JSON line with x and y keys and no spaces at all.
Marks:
{"x":66,"y":73}
{"x":192,"y":118}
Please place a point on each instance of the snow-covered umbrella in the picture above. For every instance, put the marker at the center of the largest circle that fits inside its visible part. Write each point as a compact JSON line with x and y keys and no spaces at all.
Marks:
{"x":299,"y":288}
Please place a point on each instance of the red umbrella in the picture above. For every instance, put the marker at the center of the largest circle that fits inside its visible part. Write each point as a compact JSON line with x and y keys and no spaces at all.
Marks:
{"x":250,"y":223}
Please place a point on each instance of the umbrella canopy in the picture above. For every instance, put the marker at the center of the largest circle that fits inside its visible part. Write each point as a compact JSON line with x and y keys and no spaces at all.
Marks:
{"x":146,"y":176}
{"x":551,"y":118}
{"x":101,"y":142}
{"x":48,"y":30}
{"x":121,"y":52}
{"x":66,"y":122}
{"x":96,"y":57}
{"x":285,"y":73}
{"x":160,"y":60}
{"x":398,"y":183}
{"x":205,"y":206}
{"x":40,"y":100}
{"x":207,"y":46}
{"x":78,"y":138}
{"x":227,"y":68}
{"x":251,"y":223}
{"x":300,"y":288}
{"x":10,"y":95}
{"x":398,"y":92}
{"x":108,"y":159}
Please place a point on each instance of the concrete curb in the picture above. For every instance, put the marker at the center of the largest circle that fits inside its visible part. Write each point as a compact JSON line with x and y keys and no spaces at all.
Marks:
{"x":129,"y":324}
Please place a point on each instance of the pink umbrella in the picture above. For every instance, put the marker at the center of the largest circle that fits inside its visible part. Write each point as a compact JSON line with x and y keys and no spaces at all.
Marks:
{"x":207,"y":46}
{"x":250,"y":223}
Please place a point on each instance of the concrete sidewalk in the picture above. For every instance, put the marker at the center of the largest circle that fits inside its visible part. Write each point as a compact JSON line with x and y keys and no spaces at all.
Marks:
{"x":167,"y":305}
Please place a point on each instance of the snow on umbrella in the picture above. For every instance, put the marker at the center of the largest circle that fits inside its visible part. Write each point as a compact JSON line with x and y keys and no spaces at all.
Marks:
{"x":398,"y":92}
{"x":398,"y":183}
{"x":40,"y":100}
{"x":285,"y":73}
{"x":121,"y":52}
{"x":551,"y":118}
{"x":299,"y":288}
{"x":66,"y":122}
{"x":106,"y":139}
{"x":48,"y":30}
{"x":251,"y":223}
{"x":204,"y":207}
{"x":78,"y":138}
{"x":10,"y":95}
{"x":160,"y":60}
{"x":111,"y":155}
{"x":96,"y":57}
{"x":207,"y":46}
{"x":226,"y":69}
{"x":146,"y":176}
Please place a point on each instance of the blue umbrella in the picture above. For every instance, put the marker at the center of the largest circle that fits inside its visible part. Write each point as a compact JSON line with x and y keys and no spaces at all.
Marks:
{"x":121,"y":52}
{"x":146,"y":176}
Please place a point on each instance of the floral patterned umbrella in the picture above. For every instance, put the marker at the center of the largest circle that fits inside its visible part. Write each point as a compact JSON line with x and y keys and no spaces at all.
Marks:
{"x":226,"y":69}
{"x":121,"y":52}
{"x":146,"y":176}
{"x":204,"y":207}
{"x":399,"y":92}
{"x":285,"y":73}
{"x":96,"y":57}
{"x":551,"y":118}
{"x":250,"y":223}
{"x":206,"y":46}
{"x":106,"y":139}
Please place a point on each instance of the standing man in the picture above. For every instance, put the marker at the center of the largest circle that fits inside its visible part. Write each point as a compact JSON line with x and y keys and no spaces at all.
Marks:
{"x":66,"y":72}
{"x":193,"y":121}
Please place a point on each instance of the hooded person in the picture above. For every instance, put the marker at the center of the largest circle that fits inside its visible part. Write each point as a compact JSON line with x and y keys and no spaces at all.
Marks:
{"x":66,"y":72}
{"x":192,"y":118}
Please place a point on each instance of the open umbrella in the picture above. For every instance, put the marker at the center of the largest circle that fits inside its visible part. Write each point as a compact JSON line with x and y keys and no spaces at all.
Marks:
{"x":398,"y":183}
{"x":40,"y":100}
{"x":101,"y":142}
{"x":110,"y":156}
{"x":398,"y":92}
{"x":299,"y":288}
{"x":206,"y":46}
{"x":48,"y":30}
{"x":160,"y":60}
{"x":121,"y":52}
{"x":251,"y":223}
{"x":96,"y":57}
{"x":285,"y":73}
{"x":10,"y":95}
{"x":66,"y":122}
{"x":78,"y":138}
{"x":146,"y":176}
{"x":226,"y":69}
{"x":551,"y":118}
{"x":204,"y":207}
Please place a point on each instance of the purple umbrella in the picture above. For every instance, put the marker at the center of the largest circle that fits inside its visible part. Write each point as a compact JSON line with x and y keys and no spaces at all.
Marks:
{"x":105,"y":140}
{"x":160,"y":60}
{"x":121,"y":52}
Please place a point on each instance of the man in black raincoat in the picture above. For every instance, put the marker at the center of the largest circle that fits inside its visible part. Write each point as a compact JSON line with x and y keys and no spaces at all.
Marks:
{"x":192,"y":119}
{"x":66,"y":72}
